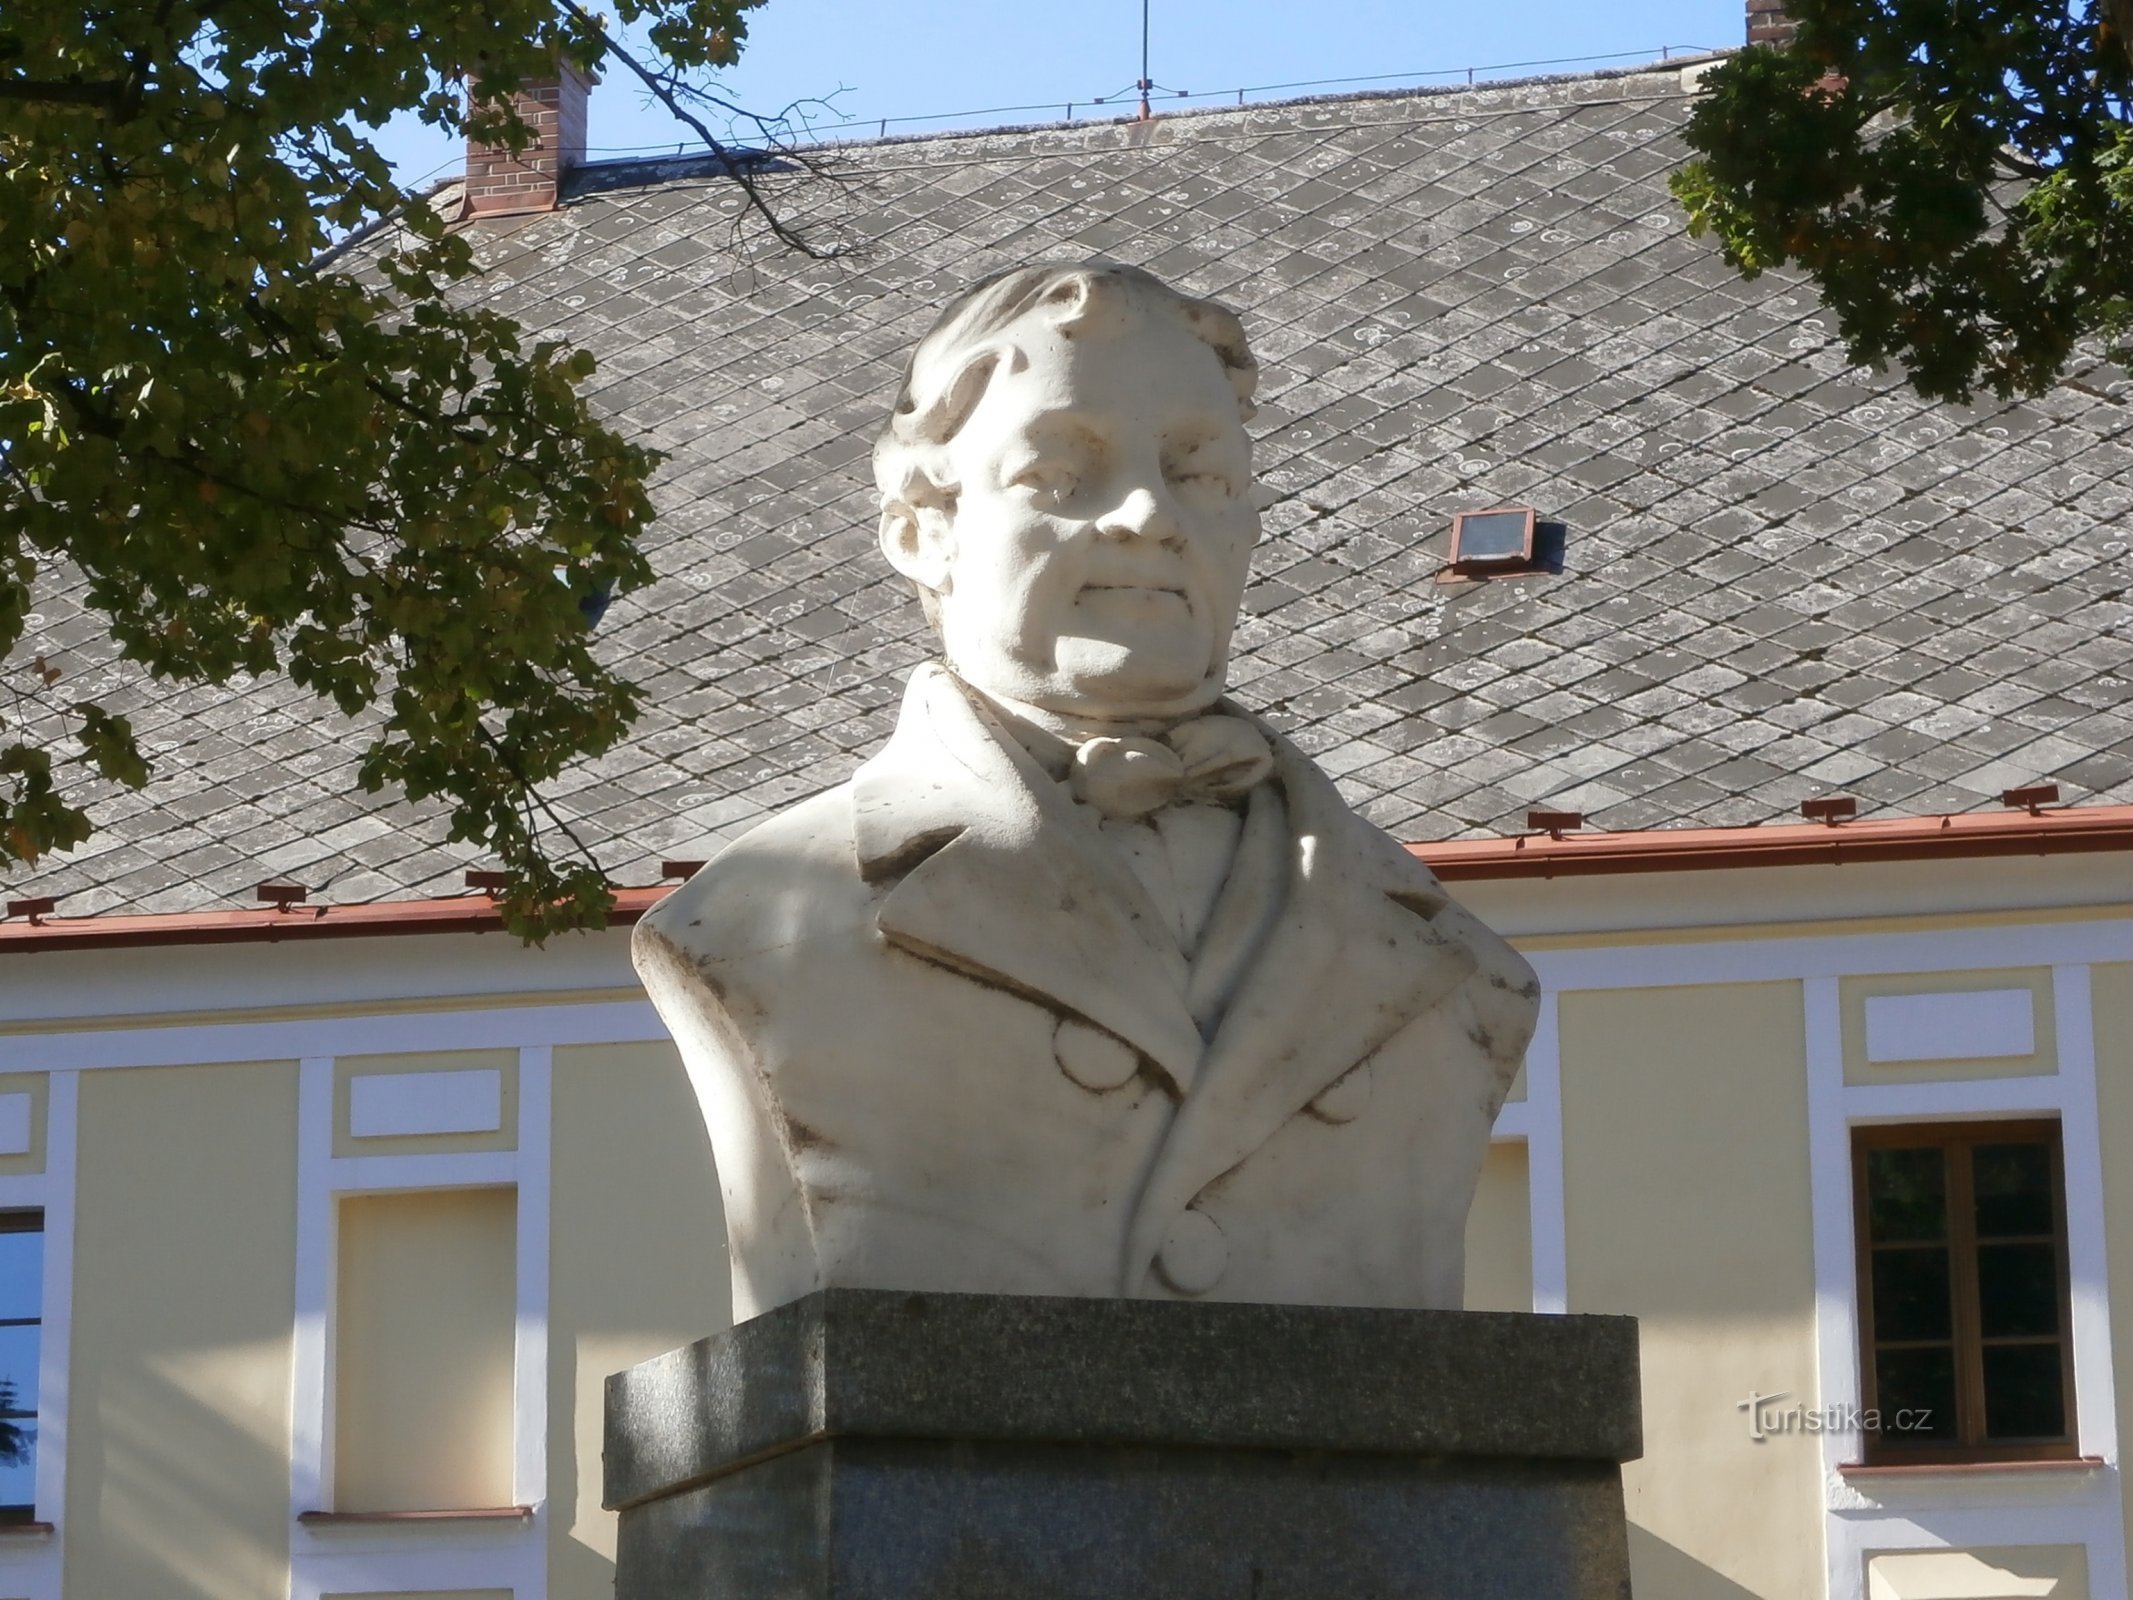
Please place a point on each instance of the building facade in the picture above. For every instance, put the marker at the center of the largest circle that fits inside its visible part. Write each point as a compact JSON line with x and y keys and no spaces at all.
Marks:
{"x":342,"y":1235}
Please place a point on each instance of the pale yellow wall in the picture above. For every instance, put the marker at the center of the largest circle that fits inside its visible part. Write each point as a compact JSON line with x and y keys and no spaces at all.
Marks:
{"x":638,"y":1266}
{"x":1686,"y":1203}
{"x":184,"y":1280}
{"x":1499,"y":1234}
{"x":424,"y":1329}
{"x":2042,"y":1061}
{"x":394,"y":1004}
{"x":2111,"y":1002}
{"x":1797,"y":902}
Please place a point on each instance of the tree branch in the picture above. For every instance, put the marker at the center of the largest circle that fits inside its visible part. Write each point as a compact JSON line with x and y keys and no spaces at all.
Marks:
{"x":667,"y":91}
{"x":530,"y":796}
{"x":63,"y":92}
{"x":2118,"y":26}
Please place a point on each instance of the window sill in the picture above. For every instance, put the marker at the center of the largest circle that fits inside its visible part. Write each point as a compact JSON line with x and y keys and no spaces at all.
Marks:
{"x":26,"y":1530}
{"x":1949,"y":1469}
{"x":340,"y":1519}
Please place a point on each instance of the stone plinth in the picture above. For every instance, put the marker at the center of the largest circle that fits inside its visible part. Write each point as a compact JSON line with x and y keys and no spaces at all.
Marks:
{"x":870,"y":1445}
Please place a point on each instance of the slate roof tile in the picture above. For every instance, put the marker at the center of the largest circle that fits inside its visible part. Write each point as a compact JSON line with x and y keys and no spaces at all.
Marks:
{"x":1782,"y":575}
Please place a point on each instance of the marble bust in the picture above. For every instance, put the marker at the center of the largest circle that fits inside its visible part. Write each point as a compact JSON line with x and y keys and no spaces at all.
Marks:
{"x":1088,"y":983}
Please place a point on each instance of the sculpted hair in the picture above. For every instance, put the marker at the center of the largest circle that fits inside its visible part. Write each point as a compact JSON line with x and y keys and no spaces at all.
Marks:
{"x":956,"y":359}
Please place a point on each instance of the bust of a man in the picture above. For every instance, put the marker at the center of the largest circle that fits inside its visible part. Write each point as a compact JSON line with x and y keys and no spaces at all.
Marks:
{"x":1088,"y":983}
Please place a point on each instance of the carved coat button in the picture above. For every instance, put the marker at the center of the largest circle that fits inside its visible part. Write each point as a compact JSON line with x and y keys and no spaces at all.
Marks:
{"x":1093,"y":1058}
{"x":1344,"y":1098}
{"x":1194,"y":1254}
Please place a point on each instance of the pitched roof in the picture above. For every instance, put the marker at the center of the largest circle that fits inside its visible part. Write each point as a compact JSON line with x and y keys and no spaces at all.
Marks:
{"x":1782,"y":576}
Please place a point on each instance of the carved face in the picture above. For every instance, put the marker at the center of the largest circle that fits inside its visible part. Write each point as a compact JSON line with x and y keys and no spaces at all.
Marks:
{"x":1094,"y":554}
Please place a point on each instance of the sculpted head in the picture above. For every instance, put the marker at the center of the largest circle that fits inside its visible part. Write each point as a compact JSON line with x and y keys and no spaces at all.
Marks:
{"x":1067,"y":480}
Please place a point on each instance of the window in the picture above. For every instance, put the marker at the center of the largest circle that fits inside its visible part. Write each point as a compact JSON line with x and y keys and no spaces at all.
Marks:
{"x":425,"y":1331}
{"x":1507,"y":542}
{"x":1485,"y":541}
{"x":21,"y":1344}
{"x":1963,"y":1292}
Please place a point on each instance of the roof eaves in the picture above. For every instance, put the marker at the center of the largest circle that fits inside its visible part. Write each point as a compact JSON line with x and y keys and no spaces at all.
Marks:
{"x":2065,"y":831}
{"x":2068,"y":830}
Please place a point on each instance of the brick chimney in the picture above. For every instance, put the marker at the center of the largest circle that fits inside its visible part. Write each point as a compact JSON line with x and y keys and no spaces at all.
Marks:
{"x":1769,"y":23}
{"x":500,"y":184}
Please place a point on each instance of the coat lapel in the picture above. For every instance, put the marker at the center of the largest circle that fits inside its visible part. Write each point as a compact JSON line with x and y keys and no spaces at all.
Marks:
{"x":1243,"y":910}
{"x":1352,"y":957}
{"x":997,"y":877}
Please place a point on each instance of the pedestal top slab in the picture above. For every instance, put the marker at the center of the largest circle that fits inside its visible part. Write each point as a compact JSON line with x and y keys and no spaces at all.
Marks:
{"x":856,"y":1363}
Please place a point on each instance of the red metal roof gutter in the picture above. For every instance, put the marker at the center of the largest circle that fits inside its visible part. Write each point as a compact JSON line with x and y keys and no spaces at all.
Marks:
{"x":469,"y":913}
{"x":2067,"y":830}
{"x":2057,"y":831}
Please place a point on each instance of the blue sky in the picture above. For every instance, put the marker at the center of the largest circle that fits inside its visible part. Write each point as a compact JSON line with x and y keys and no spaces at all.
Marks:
{"x":926,"y":58}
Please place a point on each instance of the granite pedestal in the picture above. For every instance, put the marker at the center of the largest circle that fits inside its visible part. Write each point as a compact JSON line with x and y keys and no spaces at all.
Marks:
{"x":870,"y":1445}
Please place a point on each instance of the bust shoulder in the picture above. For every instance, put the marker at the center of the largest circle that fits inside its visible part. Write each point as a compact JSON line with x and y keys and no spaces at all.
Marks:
{"x":791,"y":878}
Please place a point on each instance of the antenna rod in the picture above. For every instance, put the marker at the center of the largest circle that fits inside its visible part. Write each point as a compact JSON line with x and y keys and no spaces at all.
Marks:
{"x":1145,"y":80}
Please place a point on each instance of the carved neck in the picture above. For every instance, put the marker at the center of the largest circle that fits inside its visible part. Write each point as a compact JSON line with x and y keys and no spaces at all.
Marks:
{"x":1052,"y":738}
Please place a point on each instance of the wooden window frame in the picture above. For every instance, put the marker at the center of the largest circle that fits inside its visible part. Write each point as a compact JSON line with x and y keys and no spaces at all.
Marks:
{"x":1467,"y":566}
{"x":1971,"y":1446}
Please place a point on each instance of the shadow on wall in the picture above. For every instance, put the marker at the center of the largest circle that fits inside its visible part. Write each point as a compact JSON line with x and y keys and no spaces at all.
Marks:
{"x":575,"y":1568}
{"x":175,"y":1487}
{"x":578,"y":1569}
{"x":184,"y":1276}
{"x":631,"y":1167}
{"x":1661,"y":1571}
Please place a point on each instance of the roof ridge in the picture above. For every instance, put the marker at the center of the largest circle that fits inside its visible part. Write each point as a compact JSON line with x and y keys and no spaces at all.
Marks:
{"x":607,"y":176}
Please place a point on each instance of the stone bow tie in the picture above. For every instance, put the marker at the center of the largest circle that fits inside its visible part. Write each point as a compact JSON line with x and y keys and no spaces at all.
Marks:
{"x":1210,"y":758}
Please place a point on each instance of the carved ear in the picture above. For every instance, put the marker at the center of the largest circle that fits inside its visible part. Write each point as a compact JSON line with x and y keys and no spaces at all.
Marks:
{"x":919,"y":541}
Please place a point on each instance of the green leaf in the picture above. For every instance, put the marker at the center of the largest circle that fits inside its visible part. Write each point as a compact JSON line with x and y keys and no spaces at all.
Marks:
{"x":258,"y":459}
{"x":1949,"y":177}
{"x":108,"y":743}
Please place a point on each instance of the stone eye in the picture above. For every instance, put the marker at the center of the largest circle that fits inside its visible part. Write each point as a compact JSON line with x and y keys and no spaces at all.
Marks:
{"x":1214,"y":483}
{"x":1046,"y":479}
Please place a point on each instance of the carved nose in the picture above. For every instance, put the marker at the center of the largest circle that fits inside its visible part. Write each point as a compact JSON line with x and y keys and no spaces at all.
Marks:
{"x":1141,"y":515}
